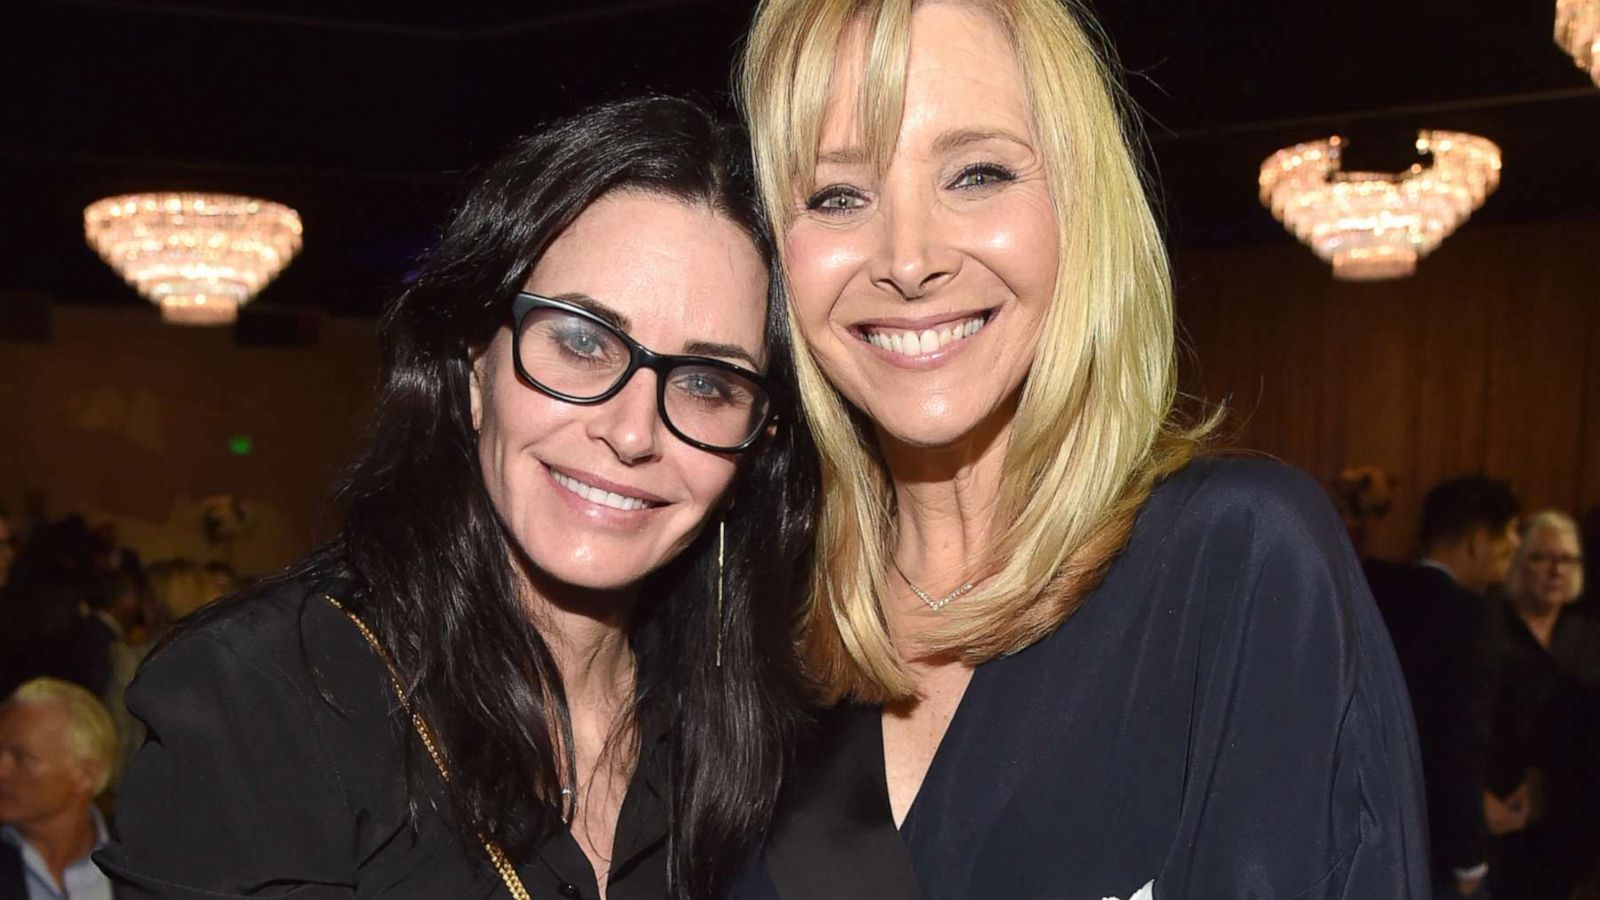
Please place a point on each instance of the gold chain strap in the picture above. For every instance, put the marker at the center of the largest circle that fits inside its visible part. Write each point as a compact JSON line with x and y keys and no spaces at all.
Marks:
{"x":502,"y":864}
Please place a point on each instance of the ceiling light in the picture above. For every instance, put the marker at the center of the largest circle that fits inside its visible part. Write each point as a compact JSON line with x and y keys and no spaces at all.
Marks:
{"x":197,"y":256}
{"x":1578,"y":33}
{"x":1375,"y":225}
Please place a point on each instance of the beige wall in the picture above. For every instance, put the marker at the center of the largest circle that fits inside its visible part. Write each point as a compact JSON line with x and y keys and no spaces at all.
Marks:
{"x":125,"y":417}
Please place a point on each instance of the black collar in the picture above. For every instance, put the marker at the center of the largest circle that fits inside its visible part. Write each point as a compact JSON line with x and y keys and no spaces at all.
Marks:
{"x":839,"y":812}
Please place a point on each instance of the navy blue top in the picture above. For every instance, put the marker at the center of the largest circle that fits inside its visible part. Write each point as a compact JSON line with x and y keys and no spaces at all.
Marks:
{"x":1223,"y":717}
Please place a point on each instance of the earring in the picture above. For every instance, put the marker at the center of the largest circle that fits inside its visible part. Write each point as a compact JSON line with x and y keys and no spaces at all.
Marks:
{"x":722,"y":536}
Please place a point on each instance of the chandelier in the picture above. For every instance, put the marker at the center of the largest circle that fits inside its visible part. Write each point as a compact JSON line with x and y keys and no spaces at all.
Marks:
{"x":1375,"y":225}
{"x":1578,"y":33}
{"x":198,"y":256}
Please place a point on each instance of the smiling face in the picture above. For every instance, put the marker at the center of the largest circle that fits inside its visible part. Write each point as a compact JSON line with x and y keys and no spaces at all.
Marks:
{"x":922,"y":290}
{"x":600,"y":496}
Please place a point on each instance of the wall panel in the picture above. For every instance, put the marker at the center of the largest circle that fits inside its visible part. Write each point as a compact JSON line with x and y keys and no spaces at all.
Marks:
{"x":1488,"y":359}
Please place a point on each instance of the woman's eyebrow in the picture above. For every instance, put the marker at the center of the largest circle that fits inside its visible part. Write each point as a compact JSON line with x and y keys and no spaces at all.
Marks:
{"x":843,"y":156}
{"x":621,"y":323}
{"x":726,"y":351}
{"x":612,"y":317}
{"x":961,"y":137}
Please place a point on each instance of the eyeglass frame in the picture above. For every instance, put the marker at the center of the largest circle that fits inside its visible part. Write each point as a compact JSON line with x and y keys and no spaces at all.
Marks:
{"x":1563,"y":561}
{"x":639,"y":357}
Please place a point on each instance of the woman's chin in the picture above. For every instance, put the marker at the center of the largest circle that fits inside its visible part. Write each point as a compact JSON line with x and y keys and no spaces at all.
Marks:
{"x":939,"y":423}
{"x":590,"y":569}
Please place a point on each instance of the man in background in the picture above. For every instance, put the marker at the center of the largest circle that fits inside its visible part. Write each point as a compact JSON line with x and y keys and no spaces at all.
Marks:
{"x":57,"y":752}
{"x":1438,"y":618}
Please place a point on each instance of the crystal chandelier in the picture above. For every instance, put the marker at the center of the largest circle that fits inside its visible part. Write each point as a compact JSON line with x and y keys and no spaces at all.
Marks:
{"x":198,"y":256}
{"x":1578,"y":33}
{"x":1375,"y":225}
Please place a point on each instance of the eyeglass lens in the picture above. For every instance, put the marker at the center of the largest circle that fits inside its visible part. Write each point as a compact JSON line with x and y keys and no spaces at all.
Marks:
{"x":572,"y":355}
{"x":1546,"y":559}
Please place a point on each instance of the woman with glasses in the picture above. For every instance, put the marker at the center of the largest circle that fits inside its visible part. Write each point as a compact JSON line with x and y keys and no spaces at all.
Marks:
{"x":1543,"y":784}
{"x":1546,"y":578}
{"x":548,"y":653}
{"x":1075,"y":661}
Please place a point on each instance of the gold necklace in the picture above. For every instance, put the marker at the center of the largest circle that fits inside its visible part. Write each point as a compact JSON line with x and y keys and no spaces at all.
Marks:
{"x":931,"y":603}
{"x":502,"y":863}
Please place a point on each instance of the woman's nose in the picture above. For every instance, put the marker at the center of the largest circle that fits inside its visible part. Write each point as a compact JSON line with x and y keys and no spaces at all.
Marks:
{"x":630,"y":422}
{"x":917,"y":254}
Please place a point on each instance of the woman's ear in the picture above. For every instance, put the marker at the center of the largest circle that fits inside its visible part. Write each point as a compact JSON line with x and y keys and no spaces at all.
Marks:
{"x":477,"y":363}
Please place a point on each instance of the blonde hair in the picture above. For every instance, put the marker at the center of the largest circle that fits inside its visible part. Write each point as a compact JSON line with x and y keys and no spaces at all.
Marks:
{"x":1094,"y":429}
{"x":1548,"y":520}
{"x":89,"y":728}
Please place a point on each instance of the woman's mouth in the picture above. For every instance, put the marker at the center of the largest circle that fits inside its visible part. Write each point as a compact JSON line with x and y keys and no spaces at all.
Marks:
{"x":915,"y":343}
{"x":598,"y":495}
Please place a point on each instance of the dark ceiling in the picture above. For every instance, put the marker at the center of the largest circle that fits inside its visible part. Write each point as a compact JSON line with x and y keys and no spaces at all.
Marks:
{"x":368,"y":116}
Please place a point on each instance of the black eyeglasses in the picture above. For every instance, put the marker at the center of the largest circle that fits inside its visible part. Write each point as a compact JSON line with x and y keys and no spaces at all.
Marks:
{"x":574,"y":355}
{"x":1560,"y":561}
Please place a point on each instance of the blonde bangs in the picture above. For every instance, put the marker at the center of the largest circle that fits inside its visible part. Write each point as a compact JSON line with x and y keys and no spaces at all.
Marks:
{"x":795,"y":44}
{"x":1105,"y":363}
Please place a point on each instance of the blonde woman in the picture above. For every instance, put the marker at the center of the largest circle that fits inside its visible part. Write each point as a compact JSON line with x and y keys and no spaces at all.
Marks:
{"x":1541,"y":792}
{"x":1546,"y":578}
{"x":1071,"y":661}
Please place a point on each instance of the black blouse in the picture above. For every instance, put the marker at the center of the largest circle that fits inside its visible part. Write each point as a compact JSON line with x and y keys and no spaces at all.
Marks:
{"x":253,"y":784}
{"x":1223,"y":717}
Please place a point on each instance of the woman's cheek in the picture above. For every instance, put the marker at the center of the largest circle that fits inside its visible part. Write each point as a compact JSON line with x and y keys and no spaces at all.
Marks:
{"x":1021,"y":245}
{"x":821,"y":263}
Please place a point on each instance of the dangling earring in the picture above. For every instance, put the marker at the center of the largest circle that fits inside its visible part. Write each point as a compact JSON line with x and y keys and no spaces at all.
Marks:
{"x":721,"y":546}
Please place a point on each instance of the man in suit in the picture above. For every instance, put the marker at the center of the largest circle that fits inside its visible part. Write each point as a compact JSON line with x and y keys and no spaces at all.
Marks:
{"x":1447,"y":643}
{"x":57,"y":751}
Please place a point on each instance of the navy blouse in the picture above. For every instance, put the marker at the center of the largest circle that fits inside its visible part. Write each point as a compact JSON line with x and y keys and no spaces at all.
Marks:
{"x":1222,"y":718}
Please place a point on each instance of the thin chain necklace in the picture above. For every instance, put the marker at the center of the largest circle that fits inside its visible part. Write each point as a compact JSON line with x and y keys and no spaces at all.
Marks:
{"x":931,"y":603}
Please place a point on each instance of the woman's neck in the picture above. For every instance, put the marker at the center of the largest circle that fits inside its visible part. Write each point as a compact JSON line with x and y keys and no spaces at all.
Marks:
{"x":586,"y":632}
{"x":1540,"y":617}
{"x":945,"y":501}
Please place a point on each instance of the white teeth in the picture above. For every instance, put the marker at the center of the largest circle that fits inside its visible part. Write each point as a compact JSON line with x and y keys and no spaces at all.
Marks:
{"x":597,"y":495}
{"x":913,"y":343}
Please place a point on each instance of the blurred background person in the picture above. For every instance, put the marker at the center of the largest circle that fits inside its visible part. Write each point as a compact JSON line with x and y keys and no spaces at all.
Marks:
{"x":47,"y":628}
{"x":1546,"y":579}
{"x":177,"y":587}
{"x":1536,"y":802}
{"x":112,"y":607}
{"x":8,"y":549}
{"x":10,"y":611}
{"x":1447,"y":642}
{"x":57,"y":751}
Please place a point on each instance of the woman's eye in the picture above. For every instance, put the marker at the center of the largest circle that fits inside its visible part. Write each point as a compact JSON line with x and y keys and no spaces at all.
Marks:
{"x":982,"y":175}
{"x":835,"y":199}
{"x":710,"y":389}
{"x":581,"y":342}
{"x":703,"y":387}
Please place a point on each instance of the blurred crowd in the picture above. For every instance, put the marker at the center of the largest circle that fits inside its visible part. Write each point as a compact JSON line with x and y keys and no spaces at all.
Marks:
{"x":80,"y":613}
{"x":1503,"y":667}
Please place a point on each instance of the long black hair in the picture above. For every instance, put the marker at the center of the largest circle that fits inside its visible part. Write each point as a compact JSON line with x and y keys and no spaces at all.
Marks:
{"x":431,"y":564}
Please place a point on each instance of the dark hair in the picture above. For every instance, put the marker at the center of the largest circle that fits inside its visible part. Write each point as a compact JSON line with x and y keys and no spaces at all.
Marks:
{"x":1456,"y":508}
{"x":473,"y":664}
{"x":104,"y":588}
